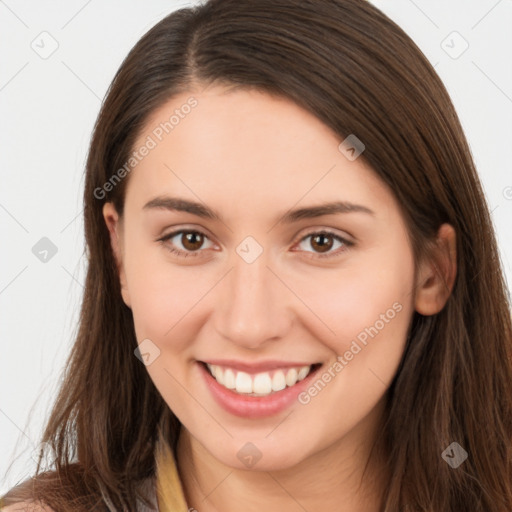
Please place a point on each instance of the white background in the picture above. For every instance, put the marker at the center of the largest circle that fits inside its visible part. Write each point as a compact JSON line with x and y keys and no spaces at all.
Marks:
{"x":47,"y":111}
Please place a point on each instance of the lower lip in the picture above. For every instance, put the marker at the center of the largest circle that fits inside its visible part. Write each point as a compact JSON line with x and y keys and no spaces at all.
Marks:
{"x":254,"y":406}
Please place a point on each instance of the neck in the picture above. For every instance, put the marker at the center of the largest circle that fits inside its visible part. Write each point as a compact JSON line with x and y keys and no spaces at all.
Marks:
{"x":332,"y":480}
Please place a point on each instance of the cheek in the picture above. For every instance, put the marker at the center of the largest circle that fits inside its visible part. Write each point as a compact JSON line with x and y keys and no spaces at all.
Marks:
{"x":166,"y":299}
{"x":158,"y":293}
{"x":369,"y":301}
{"x":369,"y":308}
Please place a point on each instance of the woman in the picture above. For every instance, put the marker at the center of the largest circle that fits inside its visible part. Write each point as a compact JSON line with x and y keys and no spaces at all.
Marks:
{"x":294,"y":299}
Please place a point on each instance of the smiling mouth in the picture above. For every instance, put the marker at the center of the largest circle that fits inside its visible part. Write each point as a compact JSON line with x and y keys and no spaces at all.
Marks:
{"x":259,"y":384}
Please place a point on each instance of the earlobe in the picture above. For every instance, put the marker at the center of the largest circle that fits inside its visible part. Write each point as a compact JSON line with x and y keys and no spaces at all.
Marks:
{"x":437,"y":274}
{"x":113,"y":222}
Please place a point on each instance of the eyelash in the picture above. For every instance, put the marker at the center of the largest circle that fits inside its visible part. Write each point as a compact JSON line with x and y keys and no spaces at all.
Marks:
{"x":347,"y":244}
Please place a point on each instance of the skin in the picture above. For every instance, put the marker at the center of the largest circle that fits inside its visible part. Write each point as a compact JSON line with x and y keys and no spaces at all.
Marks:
{"x":252,"y":157}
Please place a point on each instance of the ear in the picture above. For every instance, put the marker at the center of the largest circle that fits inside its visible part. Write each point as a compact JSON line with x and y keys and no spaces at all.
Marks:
{"x":437,"y":275}
{"x":115,"y":228}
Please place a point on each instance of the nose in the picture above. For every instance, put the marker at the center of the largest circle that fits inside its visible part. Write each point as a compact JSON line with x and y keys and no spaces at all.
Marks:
{"x":253,"y":304}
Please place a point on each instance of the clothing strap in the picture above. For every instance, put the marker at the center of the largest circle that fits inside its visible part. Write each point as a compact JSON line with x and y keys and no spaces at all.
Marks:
{"x":169,"y":491}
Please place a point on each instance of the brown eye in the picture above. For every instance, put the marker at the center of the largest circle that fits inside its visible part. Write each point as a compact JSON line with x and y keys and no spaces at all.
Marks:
{"x":192,"y":240}
{"x":322,"y":242}
{"x":184,"y":242}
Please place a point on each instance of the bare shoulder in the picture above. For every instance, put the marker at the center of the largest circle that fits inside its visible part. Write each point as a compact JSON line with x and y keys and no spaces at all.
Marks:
{"x":27,"y":506}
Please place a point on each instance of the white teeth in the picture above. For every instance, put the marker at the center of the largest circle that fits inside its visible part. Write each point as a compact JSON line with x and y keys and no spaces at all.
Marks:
{"x":243,"y":383}
{"x":278,"y":381}
{"x":260,"y":384}
{"x":218,"y":372}
{"x":303,"y":372}
{"x":229,"y":379}
{"x":291,"y":377}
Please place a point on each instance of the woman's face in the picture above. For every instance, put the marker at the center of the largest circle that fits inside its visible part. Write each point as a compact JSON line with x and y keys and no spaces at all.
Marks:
{"x":254,"y":287}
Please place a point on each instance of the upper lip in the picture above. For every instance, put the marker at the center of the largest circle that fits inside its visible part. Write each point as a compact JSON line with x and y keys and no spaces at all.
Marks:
{"x":255,"y":367}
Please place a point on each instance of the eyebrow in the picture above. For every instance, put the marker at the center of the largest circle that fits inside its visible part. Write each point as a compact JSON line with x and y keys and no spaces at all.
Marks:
{"x":201,"y":210}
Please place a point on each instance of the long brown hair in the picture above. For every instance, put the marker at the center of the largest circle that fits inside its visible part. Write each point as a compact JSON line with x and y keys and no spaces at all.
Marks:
{"x":358,"y":72}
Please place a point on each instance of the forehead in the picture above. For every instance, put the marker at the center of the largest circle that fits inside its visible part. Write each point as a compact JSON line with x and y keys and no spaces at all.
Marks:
{"x":245,"y":147}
